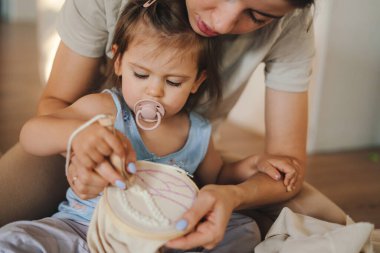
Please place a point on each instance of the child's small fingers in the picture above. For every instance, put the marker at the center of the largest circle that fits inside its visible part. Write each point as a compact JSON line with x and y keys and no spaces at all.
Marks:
{"x":96,"y":157}
{"x":293,"y":182}
{"x":288,"y":177}
{"x":114,"y":143}
{"x":103,"y":148}
{"x":86,"y":161}
{"x":285,"y":168}
{"x":270,"y":171}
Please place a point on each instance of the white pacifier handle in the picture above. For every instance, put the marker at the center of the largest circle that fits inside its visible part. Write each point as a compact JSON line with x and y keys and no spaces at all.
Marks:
{"x":149,"y":111}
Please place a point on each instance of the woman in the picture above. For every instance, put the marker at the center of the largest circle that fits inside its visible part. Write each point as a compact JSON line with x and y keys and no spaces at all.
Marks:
{"x":276,"y":32}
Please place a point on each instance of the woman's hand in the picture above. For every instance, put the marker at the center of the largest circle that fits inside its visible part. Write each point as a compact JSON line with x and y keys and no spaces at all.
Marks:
{"x":277,"y":167}
{"x":89,"y":183}
{"x":208,"y":217}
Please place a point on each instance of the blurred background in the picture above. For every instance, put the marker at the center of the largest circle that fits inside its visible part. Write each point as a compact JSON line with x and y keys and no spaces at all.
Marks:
{"x":344,"y":114}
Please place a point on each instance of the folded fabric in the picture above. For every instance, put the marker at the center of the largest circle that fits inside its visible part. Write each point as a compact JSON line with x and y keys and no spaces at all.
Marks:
{"x":296,"y":233}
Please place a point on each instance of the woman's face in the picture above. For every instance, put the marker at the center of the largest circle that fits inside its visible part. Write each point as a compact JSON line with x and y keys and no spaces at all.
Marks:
{"x":215,"y":17}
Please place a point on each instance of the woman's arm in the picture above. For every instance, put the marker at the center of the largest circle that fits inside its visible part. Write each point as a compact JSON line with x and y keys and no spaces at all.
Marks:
{"x":71,"y":77}
{"x":286,"y":133}
{"x":286,"y":125}
{"x":209,"y":170}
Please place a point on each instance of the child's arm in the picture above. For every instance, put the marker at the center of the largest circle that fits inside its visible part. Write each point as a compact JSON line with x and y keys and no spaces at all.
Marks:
{"x":49,"y":134}
{"x":238,"y":172}
{"x":46,"y":135}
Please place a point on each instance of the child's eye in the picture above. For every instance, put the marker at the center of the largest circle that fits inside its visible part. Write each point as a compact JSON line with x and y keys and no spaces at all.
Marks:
{"x":141,"y":76}
{"x":253,"y":17}
{"x":175,"y":84}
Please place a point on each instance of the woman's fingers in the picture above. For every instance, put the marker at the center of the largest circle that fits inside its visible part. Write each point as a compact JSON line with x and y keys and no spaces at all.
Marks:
{"x":108,"y":172}
{"x":85,"y":183}
{"x":205,"y":221}
{"x":86,"y":191}
{"x":129,"y":154}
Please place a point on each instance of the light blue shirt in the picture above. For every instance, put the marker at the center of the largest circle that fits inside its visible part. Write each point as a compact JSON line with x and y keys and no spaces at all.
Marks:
{"x":188,"y":157}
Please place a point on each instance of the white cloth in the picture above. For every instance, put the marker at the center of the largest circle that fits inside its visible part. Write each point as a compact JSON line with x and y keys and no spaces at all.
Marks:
{"x":296,"y":233}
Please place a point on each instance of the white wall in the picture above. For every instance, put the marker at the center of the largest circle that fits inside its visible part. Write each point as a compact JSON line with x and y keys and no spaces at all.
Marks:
{"x":344,"y":95}
{"x":349,"y":81}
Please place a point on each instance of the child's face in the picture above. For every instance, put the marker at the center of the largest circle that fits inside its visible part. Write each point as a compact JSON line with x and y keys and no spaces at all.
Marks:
{"x":159,"y":74}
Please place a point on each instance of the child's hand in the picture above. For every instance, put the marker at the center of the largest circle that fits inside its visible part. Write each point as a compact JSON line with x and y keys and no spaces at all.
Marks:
{"x":276,"y":167}
{"x":95,"y":143}
{"x":90,"y":169}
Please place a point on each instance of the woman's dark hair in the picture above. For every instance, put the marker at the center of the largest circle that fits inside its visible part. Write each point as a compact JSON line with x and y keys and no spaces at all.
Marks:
{"x":168,"y":23}
{"x":301,"y":3}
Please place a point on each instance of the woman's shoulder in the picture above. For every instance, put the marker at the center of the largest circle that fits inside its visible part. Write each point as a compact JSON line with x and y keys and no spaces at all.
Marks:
{"x":100,"y":7}
{"x":86,"y":27}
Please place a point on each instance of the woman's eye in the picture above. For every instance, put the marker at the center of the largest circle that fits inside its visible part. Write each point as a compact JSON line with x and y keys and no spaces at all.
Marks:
{"x":253,"y":17}
{"x":141,"y":76}
{"x":175,"y":84}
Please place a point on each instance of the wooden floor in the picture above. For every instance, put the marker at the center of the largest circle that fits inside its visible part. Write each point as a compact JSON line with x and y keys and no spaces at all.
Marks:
{"x":351,"y":179}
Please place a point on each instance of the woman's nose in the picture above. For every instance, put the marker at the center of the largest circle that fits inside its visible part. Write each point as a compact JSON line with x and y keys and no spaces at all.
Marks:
{"x":155,"y":89}
{"x":225,"y":17}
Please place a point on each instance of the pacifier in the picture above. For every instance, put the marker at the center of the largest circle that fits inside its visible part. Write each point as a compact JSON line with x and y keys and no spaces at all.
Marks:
{"x":147,"y":112}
